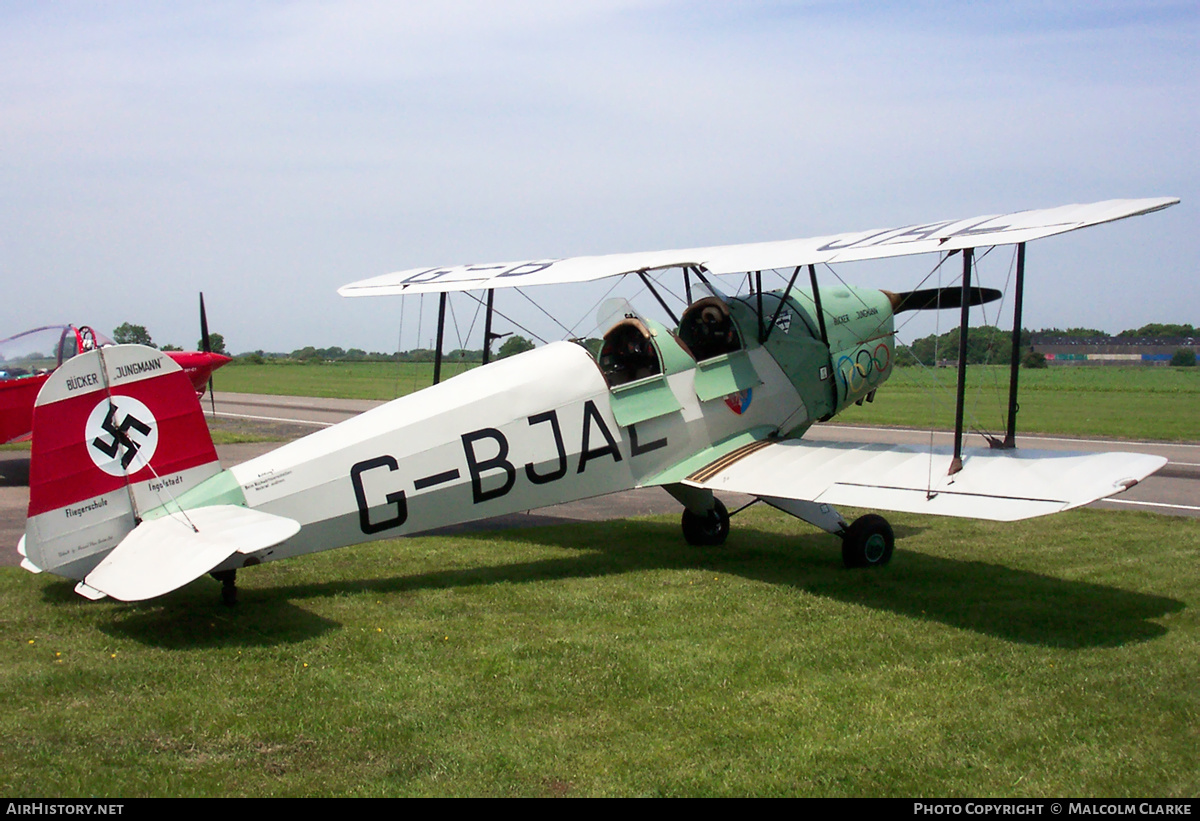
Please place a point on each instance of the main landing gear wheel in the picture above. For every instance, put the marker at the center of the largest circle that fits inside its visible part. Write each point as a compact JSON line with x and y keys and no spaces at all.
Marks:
{"x":708,"y":530}
{"x":868,"y":542}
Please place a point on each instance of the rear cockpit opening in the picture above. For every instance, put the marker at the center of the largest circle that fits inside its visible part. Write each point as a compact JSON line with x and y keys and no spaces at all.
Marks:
{"x":628,"y":353}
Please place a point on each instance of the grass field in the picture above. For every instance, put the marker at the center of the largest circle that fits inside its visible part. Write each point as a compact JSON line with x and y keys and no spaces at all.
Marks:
{"x":346,"y":380}
{"x":1122,"y":403}
{"x":1128,"y":403}
{"x":1054,"y":657}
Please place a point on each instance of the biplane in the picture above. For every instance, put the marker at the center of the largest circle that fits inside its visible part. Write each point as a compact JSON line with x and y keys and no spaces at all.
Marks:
{"x":127,"y":495}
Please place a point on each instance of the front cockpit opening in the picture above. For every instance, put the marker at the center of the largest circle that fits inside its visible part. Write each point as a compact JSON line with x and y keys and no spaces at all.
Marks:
{"x":707,"y":329}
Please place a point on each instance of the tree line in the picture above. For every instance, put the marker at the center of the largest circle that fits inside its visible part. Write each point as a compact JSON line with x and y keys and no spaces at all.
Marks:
{"x":991,"y":345}
{"x":985,"y":344}
{"x":129,"y":334}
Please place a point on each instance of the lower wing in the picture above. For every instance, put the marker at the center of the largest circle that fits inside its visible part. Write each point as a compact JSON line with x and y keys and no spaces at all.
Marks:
{"x":1002,"y":485}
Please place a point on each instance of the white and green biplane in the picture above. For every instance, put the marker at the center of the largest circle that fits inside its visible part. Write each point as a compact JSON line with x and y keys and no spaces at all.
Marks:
{"x":128,"y":497}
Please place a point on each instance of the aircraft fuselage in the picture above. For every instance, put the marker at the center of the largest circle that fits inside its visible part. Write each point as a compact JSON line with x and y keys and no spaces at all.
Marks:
{"x":544,"y":427}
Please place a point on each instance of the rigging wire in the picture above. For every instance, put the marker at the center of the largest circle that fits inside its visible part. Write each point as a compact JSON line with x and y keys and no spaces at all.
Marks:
{"x":658,"y":281}
{"x":592,"y":310}
{"x":474,"y":317}
{"x":457,"y":332}
{"x":933,"y":403}
{"x":543,"y":310}
{"x":636,"y":294}
{"x":975,"y":425}
{"x":508,"y":318}
{"x":420,"y":316}
{"x":399,"y":348}
{"x":987,"y":359}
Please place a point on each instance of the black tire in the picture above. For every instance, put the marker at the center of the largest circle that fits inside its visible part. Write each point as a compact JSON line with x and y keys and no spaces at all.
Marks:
{"x":228,"y":580}
{"x":868,"y":542}
{"x":709,"y":530}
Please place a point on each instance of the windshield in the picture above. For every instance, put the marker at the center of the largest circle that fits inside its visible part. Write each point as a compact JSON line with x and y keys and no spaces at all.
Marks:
{"x":43,"y":349}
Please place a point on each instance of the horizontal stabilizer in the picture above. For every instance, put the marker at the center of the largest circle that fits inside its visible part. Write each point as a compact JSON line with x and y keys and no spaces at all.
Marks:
{"x":161,"y":555}
{"x":1001,"y":485}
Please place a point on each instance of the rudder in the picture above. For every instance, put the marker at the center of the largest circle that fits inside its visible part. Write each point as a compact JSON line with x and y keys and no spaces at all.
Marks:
{"x":116,"y":431}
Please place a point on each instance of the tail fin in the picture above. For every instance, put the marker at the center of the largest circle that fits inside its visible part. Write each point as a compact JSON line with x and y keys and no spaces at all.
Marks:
{"x":116,"y":431}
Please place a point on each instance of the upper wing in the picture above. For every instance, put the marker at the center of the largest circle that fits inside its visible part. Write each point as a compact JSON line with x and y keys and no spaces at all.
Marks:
{"x":946,"y":235}
{"x":1003,"y":485}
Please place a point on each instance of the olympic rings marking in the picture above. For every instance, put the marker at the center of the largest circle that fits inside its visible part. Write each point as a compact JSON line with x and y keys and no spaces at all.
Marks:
{"x":887,"y":358}
{"x":858,"y":373}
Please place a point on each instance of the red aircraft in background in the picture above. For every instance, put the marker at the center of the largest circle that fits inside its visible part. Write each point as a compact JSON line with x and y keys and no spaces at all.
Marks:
{"x":28,"y":359}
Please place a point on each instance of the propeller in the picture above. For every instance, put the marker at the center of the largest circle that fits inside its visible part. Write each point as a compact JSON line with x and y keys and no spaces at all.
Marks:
{"x":929,"y":299}
{"x":206,"y":345}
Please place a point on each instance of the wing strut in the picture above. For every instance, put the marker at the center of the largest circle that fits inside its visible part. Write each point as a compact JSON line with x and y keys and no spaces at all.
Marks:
{"x":487,"y":326}
{"x":812,"y":276}
{"x":696,"y":270}
{"x":1010,"y":438}
{"x":779,"y":310}
{"x":758,"y":287}
{"x":661,"y":301}
{"x":956,"y":463}
{"x":437,"y":353}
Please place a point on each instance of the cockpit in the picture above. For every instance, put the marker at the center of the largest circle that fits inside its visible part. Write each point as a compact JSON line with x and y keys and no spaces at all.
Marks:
{"x":639,"y":357}
{"x":636,"y":348}
{"x":42,"y":350}
{"x":706,"y":329}
{"x":628,"y":353}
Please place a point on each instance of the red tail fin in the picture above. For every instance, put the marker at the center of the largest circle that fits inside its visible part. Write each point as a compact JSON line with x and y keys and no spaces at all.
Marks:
{"x":115,"y":431}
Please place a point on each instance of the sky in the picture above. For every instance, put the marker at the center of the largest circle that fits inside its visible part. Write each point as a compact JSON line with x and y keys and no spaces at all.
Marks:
{"x":268,"y":153}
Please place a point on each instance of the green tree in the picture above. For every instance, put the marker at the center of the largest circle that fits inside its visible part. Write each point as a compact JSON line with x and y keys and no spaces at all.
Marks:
{"x":126,"y":334}
{"x":1184,"y":358}
{"x":216,"y":340}
{"x":1075,"y":333}
{"x":986,"y":344}
{"x":1034,"y":359}
{"x":1160,"y":329}
{"x":514,"y":345}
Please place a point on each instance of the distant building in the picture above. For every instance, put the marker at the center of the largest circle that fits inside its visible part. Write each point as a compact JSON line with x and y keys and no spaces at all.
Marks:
{"x":1110,"y":350}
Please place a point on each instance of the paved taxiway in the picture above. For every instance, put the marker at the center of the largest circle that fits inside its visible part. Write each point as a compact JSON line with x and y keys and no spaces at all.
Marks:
{"x":1174,"y":490}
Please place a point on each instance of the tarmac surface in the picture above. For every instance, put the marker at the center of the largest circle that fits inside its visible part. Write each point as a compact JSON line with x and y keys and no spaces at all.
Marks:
{"x":1174,"y":490}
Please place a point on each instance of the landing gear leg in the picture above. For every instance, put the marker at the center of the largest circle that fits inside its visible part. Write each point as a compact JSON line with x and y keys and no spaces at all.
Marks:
{"x":228,"y":580}
{"x":868,"y":542}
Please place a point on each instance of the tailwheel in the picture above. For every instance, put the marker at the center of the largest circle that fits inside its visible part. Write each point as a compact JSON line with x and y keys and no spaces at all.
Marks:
{"x":868,"y":542}
{"x":228,"y":580}
{"x":707,"y":530}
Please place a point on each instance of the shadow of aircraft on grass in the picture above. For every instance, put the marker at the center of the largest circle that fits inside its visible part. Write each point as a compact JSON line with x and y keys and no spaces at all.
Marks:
{"x":982,"y":597}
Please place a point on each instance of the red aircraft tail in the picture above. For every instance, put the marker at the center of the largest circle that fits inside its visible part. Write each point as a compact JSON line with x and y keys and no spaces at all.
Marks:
{"x":116,"y":431}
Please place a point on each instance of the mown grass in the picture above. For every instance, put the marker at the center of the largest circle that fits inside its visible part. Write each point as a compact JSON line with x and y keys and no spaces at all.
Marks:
{"x":1051,"y":657}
